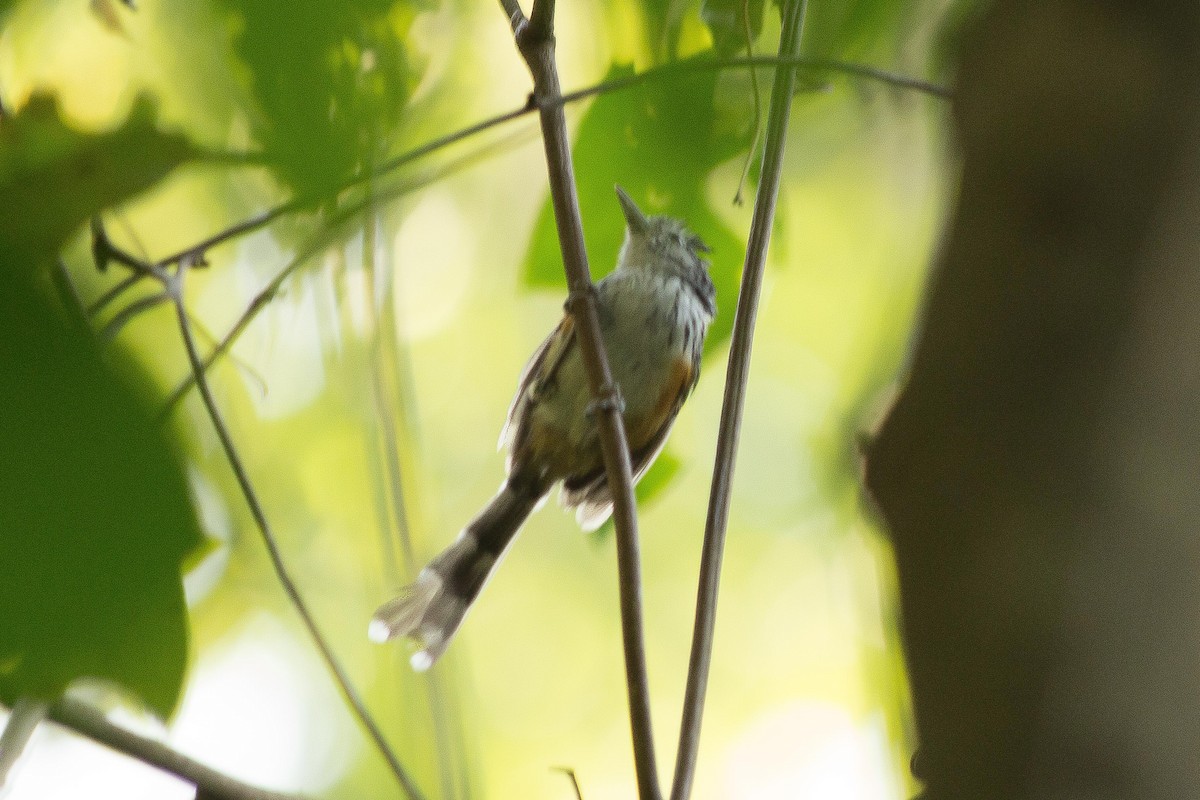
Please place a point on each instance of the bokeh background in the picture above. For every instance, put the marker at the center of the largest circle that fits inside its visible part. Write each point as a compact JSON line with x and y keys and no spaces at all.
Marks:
{"x":367,"y":395}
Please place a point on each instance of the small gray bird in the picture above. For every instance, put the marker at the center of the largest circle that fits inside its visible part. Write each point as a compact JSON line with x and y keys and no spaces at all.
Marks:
{"x":655,"y":308}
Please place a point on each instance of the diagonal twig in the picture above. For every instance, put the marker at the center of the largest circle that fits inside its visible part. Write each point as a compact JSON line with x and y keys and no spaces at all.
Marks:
{"x":171,"y":278}
{"x":737,"y":374}
{"x":23,"y":719}
{"x":118,"y":289}
{"x":174,"y":288}
{"x":328,"y":233}
{"x":535,"y":41}
{"x":126,"y":314}
{"x":89,"y":722}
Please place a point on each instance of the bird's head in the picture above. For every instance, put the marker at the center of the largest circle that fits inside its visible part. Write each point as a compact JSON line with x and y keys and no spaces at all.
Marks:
{"x":658,"y":243}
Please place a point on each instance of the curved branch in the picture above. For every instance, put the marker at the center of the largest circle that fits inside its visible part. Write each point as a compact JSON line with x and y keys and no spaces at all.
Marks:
{"x":736,"y":377}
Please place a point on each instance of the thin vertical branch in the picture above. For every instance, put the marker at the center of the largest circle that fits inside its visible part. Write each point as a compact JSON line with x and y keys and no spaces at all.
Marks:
{"x":174,"y":287}
{"x":535,"y":41}
{"x":737,"y":374}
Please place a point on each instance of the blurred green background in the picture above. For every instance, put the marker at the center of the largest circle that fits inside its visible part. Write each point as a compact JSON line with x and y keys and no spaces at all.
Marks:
{"x":367,"y":395}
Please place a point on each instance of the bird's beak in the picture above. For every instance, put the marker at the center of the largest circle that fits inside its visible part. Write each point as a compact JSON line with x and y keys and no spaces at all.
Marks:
{"x":637,"y":221}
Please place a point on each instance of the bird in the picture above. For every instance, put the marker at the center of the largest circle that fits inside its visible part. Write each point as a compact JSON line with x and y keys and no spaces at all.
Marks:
{"x":654,"y":310}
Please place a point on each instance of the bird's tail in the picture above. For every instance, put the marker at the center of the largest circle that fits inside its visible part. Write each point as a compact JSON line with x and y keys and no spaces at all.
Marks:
{"x":430,"y":610}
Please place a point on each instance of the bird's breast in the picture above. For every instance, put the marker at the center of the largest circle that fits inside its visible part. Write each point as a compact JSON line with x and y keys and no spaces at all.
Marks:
{"x":652,"y":324}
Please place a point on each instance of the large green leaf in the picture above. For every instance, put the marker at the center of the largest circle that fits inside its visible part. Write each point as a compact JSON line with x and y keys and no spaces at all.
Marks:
{"x":330,"y":78}
{"x":95,"y":518}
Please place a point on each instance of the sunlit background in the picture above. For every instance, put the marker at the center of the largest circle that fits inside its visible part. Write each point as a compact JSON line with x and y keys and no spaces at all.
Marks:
{"x":367,"y":397}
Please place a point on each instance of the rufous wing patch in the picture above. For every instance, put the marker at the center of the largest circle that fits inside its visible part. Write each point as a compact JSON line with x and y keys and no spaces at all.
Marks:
{"x":662,"y":413}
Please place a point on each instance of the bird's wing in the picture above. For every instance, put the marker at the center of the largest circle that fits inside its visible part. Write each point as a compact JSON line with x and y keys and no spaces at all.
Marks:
{"x":539,"y":372}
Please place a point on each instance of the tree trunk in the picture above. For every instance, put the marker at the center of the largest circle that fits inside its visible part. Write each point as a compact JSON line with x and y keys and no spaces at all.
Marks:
{"x":1040,"y":470}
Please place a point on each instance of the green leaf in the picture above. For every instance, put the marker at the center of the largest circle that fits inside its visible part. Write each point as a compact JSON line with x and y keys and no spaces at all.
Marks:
{"x":54,"y":177}
{"x":659,"y":140}
{"x":95,"y":518}
{"x":331,"y":80}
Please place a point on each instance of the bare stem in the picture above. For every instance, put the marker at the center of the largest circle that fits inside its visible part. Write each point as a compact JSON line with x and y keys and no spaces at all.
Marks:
{"x":91,"y":723}
{"x":535,"y":41}
{"x":175,"y":288}
{"x":676,"y":68}
{"x":570,"y":773}
{"x":737,"y":375}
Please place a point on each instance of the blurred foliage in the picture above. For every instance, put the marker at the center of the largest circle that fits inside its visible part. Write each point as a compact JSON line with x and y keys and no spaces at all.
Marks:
{"x":331,"y":81}
{"x":95,"y":512}
{"x":852,"y":29}
{"x":735,"y":24}
{"x":957,"y":21}
{"x":53,"y":177}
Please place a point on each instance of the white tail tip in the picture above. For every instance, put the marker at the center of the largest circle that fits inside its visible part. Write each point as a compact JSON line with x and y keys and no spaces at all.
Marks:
{"x":425,"y":613}
{"x":379,"y":631}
